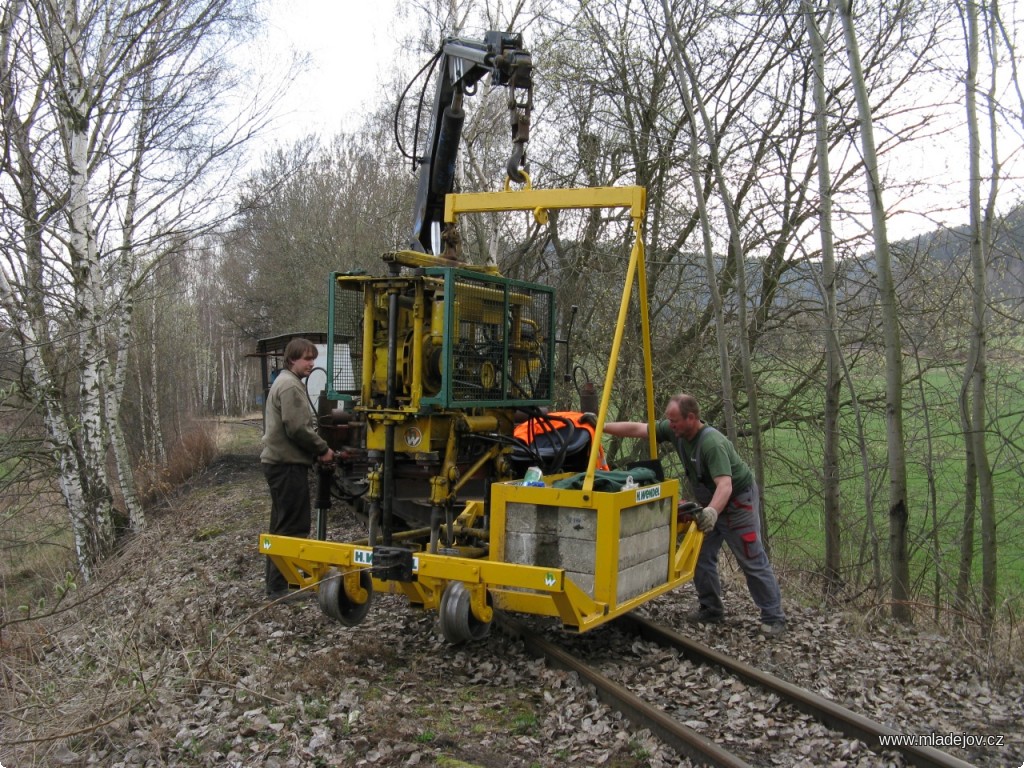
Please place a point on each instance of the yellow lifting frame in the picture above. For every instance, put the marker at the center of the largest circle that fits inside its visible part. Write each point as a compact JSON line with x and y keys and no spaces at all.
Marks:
{"x":542,"y":200}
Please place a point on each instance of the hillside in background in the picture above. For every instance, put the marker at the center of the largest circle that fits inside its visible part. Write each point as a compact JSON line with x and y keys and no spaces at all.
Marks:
{"x":1006,"y":257}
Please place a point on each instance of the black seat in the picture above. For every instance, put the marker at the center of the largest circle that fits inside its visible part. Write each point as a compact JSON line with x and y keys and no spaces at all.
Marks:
{"x":564,"y":448}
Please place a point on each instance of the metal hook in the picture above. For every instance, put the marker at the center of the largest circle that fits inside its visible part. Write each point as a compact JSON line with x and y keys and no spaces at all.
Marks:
{"x":515,"y":162}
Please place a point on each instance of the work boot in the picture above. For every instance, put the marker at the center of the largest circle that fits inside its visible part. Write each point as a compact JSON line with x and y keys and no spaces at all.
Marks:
{"x":773,"y":629}
{"x":704,"y":616}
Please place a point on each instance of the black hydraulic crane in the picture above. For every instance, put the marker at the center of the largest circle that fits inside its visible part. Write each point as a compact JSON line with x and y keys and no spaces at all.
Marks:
{"x":462,"y":64}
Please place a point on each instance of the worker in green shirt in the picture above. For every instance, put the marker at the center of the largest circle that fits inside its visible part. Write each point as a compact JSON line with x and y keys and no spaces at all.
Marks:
{"x":722,"y":483}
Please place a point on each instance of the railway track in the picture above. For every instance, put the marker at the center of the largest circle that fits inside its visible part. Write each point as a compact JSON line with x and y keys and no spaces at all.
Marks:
{"x":666,"y":718}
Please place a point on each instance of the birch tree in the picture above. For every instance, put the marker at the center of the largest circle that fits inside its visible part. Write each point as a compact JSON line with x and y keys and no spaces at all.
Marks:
{"x":108,"y":108}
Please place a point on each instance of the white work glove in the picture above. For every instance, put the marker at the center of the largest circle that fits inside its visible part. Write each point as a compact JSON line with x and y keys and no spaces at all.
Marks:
{"x":706,"y":519}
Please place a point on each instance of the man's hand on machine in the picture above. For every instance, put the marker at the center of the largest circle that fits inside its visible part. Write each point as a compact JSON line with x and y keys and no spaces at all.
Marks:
{"x":686,"y":512}
{"x":706,"y":519}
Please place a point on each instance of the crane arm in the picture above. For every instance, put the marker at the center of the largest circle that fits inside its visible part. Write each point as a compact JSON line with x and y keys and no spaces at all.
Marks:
{"x":463,"y":64}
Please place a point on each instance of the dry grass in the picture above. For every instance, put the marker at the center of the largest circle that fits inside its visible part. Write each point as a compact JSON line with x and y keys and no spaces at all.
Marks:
{"x":36,"y":545}
{"x":195,"y":451}
{"x":239,"y":436}
{"x":38,"y":559}
{"x":994,"y":654}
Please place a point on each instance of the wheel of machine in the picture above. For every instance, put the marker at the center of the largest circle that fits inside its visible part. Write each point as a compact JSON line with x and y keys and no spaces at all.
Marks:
{"x":336,"y":603}
{"x":443,"y":605}
{"x":458,"y":624}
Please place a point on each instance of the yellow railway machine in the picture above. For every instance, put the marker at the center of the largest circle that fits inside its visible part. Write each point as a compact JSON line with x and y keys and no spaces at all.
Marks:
{"x":574,"y":547}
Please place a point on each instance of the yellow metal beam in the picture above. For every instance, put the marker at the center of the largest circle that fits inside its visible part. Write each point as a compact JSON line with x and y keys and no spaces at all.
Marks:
{"x":634,"y":198}
{"x":645,"y":333}
{"x":635,"y":258}
{"x":685,"y":561}
{"x":416,"y":259}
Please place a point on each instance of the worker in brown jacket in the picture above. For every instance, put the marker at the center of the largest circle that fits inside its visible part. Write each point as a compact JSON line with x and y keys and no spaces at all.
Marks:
{"x":290,"y":446}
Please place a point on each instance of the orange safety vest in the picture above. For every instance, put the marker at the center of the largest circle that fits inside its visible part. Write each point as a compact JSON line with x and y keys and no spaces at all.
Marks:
{"x":528,"y":430}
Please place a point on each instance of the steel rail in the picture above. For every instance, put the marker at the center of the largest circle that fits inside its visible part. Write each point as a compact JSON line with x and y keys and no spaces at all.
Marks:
{"x":683,"y":739}
{"x":833,"y":715}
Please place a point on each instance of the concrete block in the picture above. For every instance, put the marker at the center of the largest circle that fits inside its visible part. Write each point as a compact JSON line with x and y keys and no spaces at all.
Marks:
{"x":641,"y":578}
{"x":584,"y":581}
{"x":643,"y":546}
{"x":577,"y":524}
{"x":565,"y":537}
{"x":643,"y":518}
{"x":577,"y":555}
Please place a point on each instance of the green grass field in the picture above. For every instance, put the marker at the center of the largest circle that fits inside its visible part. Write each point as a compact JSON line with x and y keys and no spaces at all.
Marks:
{"x":935,"y":478}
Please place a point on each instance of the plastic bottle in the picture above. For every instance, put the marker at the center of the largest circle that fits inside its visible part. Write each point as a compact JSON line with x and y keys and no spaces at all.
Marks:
{"x":534,"y":477}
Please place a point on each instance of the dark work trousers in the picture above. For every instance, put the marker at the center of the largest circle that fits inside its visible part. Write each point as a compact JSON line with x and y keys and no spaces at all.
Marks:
{"x":289,"y":510}
{"x":739,"y":526}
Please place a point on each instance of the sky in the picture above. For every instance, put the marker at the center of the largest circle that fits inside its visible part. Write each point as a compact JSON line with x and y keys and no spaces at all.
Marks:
{"x":351,"y":45}
{"x":353,"y":48}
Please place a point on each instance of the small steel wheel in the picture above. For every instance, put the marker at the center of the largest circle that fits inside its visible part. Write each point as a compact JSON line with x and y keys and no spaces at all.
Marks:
{"x":458,"y":624}
{"x":336,"y":602}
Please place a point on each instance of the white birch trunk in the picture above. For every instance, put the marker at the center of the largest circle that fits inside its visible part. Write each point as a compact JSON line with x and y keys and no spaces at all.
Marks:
{"x":87,"y":283}
{"x":122,"y":331}
{"x":115,"y":393}
{"x":83,"y":531}
{"x":158,"y":454}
